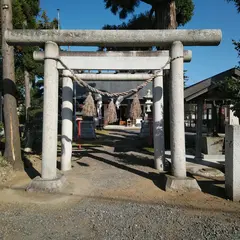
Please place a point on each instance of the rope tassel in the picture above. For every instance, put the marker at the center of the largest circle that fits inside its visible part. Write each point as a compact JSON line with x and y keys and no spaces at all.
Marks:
{"x":89,"y":109}
{"x":111,"y":113}
{"x":135,"y":110}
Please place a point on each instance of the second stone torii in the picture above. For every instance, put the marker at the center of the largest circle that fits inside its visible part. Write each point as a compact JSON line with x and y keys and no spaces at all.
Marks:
{"x":130,"y":60}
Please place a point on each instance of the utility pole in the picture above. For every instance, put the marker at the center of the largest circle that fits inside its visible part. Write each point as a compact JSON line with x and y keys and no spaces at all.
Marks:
{"x":12,"y":145}
{"x":58,"y":18}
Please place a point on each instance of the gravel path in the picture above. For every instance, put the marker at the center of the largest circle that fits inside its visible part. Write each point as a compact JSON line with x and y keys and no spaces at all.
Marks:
{"x":116,"y":196}
{"x":99,"y":219}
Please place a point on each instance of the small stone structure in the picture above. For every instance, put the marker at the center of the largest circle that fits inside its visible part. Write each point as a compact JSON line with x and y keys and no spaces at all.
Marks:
{"x":212,"y":145}
{"x":145,"y":129}
{"x":232,"y":162}
{"x":87,"y":129}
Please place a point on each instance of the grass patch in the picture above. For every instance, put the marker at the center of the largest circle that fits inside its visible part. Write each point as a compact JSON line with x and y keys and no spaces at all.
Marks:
{"x":149,"y":149}
{"x":90,"y":145}
{"x":104,"y":132}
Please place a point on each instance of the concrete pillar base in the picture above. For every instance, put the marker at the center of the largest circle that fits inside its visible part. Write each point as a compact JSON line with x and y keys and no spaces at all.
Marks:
{"x":174,"y":184}
{"x":42,"y":185}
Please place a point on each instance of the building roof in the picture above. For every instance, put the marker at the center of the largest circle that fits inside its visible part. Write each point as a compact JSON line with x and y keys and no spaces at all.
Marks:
{"x":206,"y":86}
{"x":114,"y":86}
{"x":205,"y":89}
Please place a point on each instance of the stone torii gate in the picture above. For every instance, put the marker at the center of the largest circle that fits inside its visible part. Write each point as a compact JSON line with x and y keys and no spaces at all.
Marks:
{"x":131,"y":60}
{"x":171,"y":39}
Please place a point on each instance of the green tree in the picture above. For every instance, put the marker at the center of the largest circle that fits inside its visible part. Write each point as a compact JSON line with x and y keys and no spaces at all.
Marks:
{"x":33,"y":94}
{"x":236,"y":43}
{"x":25,"y":14}
{"x":231,"y":86}
{"x":164,"y":14}
{"x":237,"y":47}
{"x":22,"y":12}
{"x":237,"y":4}
{"x":231,"y":89}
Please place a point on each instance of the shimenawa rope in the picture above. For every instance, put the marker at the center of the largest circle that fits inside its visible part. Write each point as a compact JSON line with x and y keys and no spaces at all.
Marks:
{"x":114,"y":95}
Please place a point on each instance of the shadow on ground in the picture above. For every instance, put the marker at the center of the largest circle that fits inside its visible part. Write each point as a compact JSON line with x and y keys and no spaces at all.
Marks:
{"x":122,"y":142}
{"x":129,"y":159}
{"x":156,"y":178}
{"x":211,"y":187}
{"x":208,"y":185}
{"x":29,"y":168}
{"x":203,"y":162}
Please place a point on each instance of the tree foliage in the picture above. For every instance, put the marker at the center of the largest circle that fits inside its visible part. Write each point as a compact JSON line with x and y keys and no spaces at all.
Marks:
{"x":237,"y":47}
{"x":28,"y":15}
{"x":231,"y":86}
{"x":149,"y":19}
{"x":25,"y":13}
{"x":231,"y":89}
{"x":236,"y":43}
{"x":24,"y":55}
{"x":184,"y":9}
{"x":237,"y":4}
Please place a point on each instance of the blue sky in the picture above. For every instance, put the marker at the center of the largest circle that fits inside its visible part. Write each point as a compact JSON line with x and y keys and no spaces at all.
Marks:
{"x":206,"y":62}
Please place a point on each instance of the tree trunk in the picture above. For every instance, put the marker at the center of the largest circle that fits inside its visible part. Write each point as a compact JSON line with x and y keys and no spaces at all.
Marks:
{"x":1,"y":104}
{"x":166,"y":19}
{"x":12,"y":145}
{"x":166,"y":15}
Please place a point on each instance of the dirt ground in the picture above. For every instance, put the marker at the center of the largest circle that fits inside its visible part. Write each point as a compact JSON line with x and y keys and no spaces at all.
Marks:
{"x":114,"y":170}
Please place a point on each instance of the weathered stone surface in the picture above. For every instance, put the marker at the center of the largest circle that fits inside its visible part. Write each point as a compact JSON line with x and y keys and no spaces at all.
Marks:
{"x":176,"y":102}
{"x":212,"y":145}
{"x":232,"y":162}
{"x":158,"y":121}
{"x":145,"y":131}
{"x":50,"y":112}
{"x":112,"y":38}
{"x":40,"y":55}
{"x":181,"y":184}
{"x":42,"y":185}
{"x":67,"y":125}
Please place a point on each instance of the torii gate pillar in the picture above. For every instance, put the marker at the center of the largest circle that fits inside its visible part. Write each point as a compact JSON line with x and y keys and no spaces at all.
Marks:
{"x":67,"y":119}
{"x":178,"y":180}
{"x":50,"y":112}
{"x":50,"y":180}
{"x":158,"y":122}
